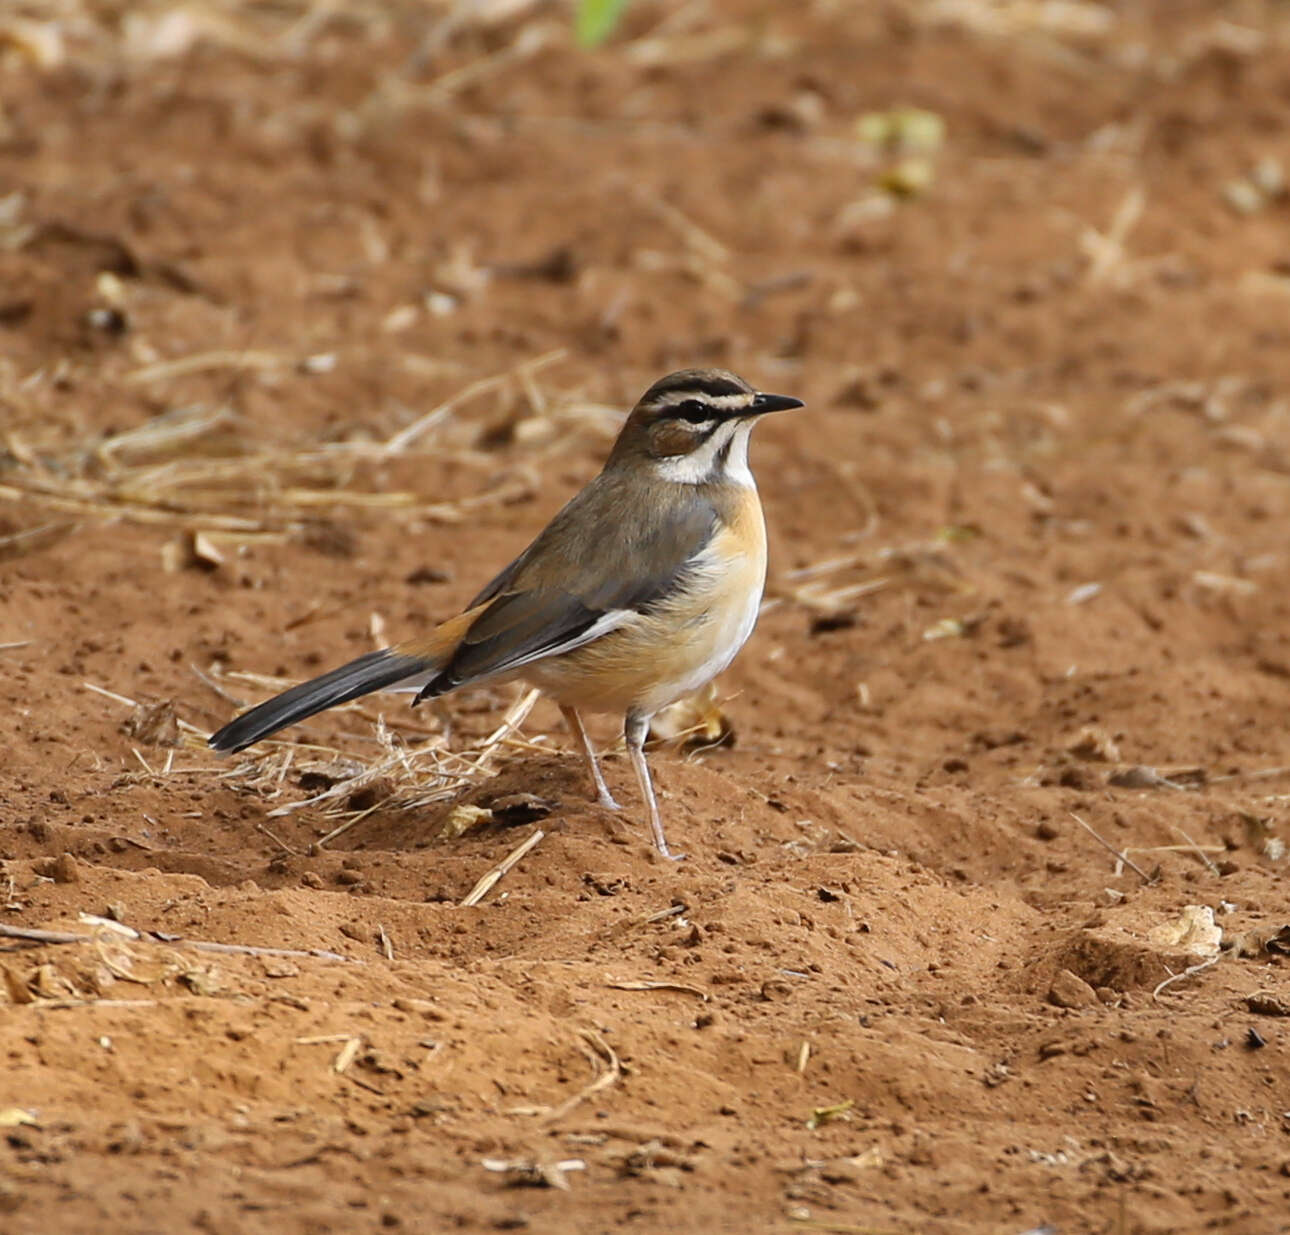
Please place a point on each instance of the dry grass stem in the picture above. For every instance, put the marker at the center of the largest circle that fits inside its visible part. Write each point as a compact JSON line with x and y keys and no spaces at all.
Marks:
{"x":277,"y":840}
{"x":397,"y":93}
{"x":702,"y":243}
{"x":633,"y":985}
{"x":400,"y":441}
{"x":17,"y":543}
{"x":512,"y":859}
{"x":1255,"y":774}
{"x":1111,"y":849}
{"x":603,"y":1057}
{"x":405,"y":778}
{"x":1106,"y":250}
{"x":1199,"y":850}
{"x":1189,"y":972}
{"x":184,"y":725}
{"x":165,"y":432}
{"x":347,"y":1053}
{"x":32,"y":937}
{"x":200,"y":362}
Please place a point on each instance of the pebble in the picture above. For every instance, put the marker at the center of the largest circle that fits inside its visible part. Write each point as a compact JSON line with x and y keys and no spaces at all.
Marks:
{"x":1070,"y":991}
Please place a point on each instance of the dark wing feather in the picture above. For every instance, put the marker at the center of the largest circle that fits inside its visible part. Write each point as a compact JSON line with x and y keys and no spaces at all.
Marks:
{"x":516,"y":629}
{"x":374,"y":671}
{"x":617,"y":546}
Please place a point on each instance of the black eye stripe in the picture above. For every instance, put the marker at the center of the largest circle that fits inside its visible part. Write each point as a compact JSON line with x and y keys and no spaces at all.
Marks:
{"x":692,"y":411}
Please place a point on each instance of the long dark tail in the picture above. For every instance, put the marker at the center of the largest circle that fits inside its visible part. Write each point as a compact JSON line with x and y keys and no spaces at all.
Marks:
{"x":375,"y":671}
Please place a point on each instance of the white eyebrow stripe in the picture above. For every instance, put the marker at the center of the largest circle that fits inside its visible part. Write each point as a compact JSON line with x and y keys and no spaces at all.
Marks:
{"x":718,"y":403}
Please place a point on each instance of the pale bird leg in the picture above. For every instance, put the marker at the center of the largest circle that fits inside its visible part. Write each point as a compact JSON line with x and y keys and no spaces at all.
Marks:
{"x":634,"y":730}
{"x":574,"y":721}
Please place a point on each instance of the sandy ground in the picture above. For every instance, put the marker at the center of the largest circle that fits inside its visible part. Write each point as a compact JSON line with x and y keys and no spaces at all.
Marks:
{"x":311,"y":316}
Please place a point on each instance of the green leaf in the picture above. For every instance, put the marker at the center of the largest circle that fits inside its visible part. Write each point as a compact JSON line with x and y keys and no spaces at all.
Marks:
{"x":596,"y":20}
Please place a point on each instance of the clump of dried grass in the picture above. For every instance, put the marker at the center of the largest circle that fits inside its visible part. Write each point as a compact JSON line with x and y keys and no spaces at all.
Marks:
{"x":138,"y":476}
{"x":392,"y":774}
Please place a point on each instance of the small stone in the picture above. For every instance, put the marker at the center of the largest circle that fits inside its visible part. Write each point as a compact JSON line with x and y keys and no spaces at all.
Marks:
{"x":1243,"y":197}
{"x":349,"y":877}
{"x":1046,"y":829}
{"x":311,"y":879}
{"x":418,"y":1007}
{"x":1070,"y":991}
{"x":428,"y":574}
{"x":65,"y":869}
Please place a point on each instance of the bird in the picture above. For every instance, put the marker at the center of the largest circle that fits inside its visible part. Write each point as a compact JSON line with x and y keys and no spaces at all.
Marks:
{"x":638,"y":592}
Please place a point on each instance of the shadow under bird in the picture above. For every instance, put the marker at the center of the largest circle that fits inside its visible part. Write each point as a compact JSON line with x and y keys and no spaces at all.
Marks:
{"x":639,"y":591}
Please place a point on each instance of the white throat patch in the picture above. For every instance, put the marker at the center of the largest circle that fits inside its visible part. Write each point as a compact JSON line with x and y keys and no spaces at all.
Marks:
{"x":724,"y":456}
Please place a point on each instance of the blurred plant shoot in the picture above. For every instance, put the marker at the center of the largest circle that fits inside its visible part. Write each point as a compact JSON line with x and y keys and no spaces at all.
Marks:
{"x":596,"y":19}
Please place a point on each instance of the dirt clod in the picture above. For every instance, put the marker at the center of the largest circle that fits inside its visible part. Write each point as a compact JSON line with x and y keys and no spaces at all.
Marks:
{"x":1070,"y":991}
{"x":1268,"y":1003}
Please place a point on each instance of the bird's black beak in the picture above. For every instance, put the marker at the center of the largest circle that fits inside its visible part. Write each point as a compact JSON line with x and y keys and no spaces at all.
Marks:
{"x":773,"y":403}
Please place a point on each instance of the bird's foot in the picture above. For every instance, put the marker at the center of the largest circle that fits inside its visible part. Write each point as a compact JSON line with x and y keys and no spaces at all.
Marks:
{"x":606,"y":799}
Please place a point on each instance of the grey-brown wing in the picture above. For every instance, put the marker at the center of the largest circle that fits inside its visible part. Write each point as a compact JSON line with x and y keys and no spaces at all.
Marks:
{"x":603,"y":558}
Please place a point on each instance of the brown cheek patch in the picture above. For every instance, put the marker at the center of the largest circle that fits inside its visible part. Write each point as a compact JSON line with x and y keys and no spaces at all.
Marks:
{"x":670,"y":439}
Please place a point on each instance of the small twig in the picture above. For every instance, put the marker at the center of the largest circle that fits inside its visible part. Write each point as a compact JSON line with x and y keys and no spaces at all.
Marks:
{"x":486,"y":884}
{"x":1189,"y":972}
{"x":1111,"y":849}
{"x":387,"y":947}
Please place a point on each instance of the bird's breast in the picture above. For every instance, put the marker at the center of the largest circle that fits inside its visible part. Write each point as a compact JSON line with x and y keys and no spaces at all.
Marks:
{"x":684,"y":638}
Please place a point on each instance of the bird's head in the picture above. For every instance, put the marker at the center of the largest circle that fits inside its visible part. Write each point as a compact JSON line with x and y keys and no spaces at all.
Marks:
{"x":693,"y":425}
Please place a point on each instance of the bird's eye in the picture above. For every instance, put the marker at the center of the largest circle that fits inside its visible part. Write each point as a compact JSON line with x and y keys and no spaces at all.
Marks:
{"x":693,"y":412}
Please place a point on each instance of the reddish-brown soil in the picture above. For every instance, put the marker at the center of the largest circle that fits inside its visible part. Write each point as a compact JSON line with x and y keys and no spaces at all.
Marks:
{"x":1047,"y":425}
